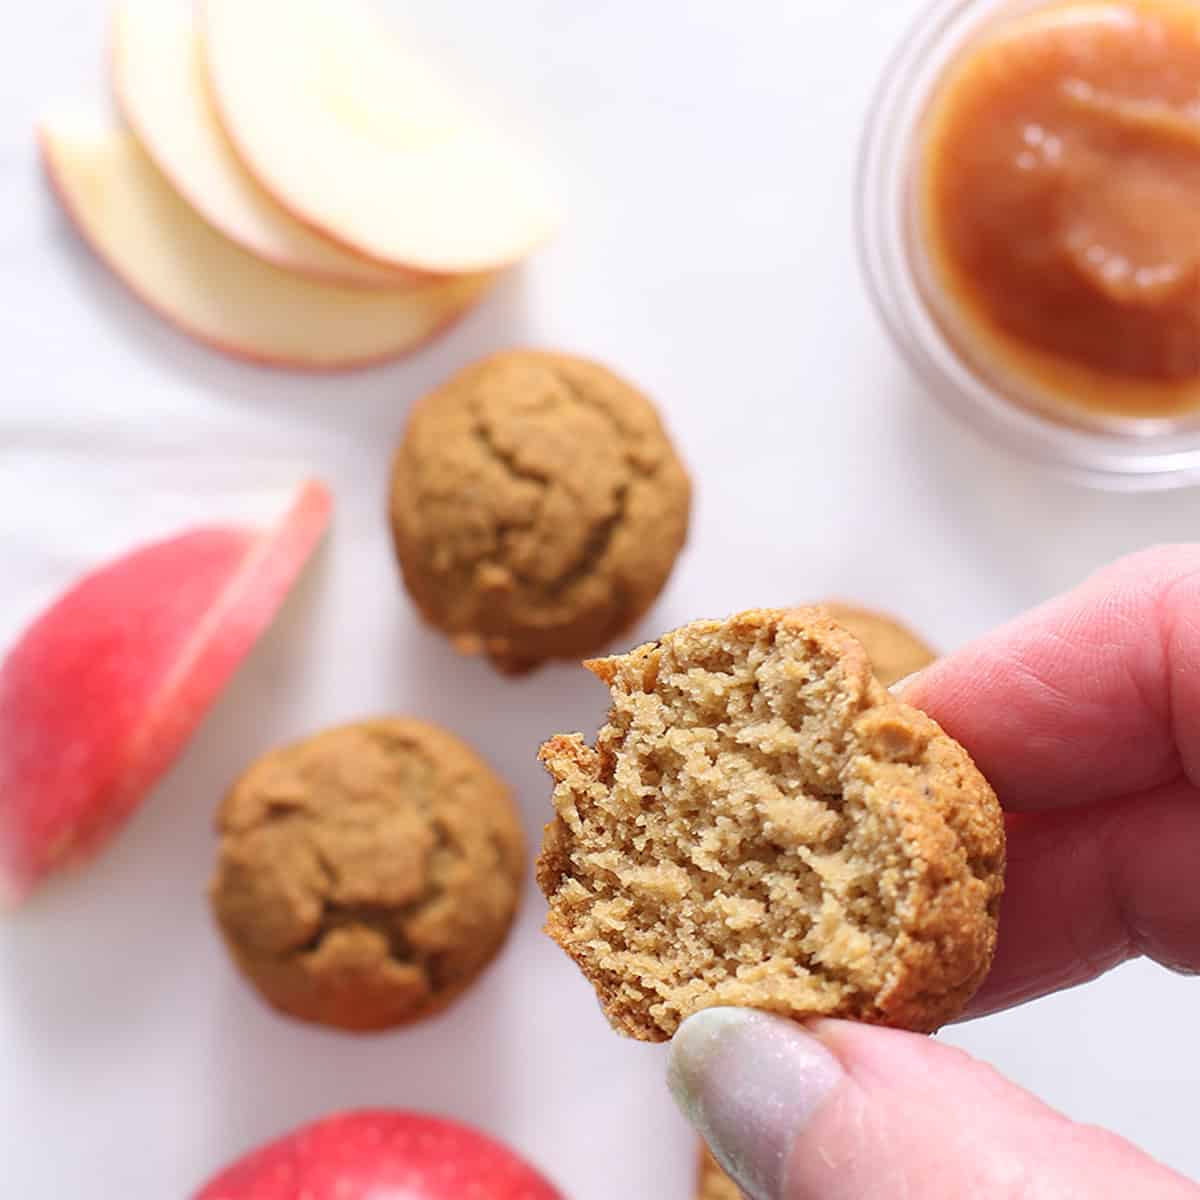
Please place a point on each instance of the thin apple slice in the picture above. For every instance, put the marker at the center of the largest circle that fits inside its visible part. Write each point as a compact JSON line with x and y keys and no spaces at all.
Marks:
{"x":362,"y":142}
{"x":103,"y":690}
{"x":212,"y":289}
{"x":158,"y":75}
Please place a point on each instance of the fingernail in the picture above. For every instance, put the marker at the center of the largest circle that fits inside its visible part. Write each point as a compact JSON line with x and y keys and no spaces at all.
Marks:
{"x":749,"y":1082}
{"x":898,"y":688}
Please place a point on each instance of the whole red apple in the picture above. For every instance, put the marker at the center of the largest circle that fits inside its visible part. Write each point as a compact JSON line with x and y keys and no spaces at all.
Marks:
{"x":381,"y":1155}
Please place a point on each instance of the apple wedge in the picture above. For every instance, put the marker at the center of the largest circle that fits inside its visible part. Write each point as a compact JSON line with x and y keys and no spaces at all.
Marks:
{"x":102,"y":691}
{"x":362,"y":142}
{"x":212,"y":289}
{"x":162,"y":91}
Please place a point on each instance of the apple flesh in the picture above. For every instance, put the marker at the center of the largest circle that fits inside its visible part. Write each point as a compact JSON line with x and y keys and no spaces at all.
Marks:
{"x":103,"y":690}
{"x":207,"y":286}
{"x":362,"y":142}
{"x":158,"y":76}
{"x":373,"y":1155}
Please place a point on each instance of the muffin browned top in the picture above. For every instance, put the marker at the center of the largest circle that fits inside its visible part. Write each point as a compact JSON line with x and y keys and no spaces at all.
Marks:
{"x":537,"y":507}
{"x":367,"y":874}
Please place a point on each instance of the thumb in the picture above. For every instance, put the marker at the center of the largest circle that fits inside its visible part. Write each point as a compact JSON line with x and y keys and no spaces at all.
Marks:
{"x":842,"y":1111}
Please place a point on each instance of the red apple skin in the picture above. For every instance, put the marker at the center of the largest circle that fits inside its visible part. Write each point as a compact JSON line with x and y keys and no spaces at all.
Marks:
{"x":381,"y":1155}
{"x":103,"y":690}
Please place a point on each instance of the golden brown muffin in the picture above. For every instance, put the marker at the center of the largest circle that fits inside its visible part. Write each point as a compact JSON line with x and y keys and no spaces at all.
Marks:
{"x":367,"y":874}
{"x":537,"y":507}
{"x":712,"y":1183}
{"x":762,"y":824}
{"x":894,"y":650}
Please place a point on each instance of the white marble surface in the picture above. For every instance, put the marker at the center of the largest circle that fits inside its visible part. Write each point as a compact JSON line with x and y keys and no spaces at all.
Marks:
{"x":710,"y":152}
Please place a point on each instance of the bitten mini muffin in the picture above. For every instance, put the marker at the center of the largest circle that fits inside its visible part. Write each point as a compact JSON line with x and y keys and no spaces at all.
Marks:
{"x":537,"y":507}
{"x":367,"y":875}
{"x":894,"y":650}
{"x":711,"y":1182}
{"x":762,"y":824}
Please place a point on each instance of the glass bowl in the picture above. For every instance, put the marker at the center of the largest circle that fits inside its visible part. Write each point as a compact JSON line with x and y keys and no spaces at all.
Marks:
{"x":1117,"y":453}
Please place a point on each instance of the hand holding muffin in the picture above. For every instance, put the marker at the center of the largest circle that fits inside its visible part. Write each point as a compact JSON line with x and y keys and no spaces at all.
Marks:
{"x":1083,"y":715}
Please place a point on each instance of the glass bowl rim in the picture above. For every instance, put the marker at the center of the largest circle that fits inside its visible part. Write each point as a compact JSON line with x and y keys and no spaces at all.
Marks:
{"x":1141,"y":458}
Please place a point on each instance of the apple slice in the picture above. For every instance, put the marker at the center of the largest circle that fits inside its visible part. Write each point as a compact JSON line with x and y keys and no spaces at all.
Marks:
{"x":214,"y":290}
{"x":373,"y":1155}
{"x":102,"y":691}
{"x":159,"y":79}
{"x":362,"y":142}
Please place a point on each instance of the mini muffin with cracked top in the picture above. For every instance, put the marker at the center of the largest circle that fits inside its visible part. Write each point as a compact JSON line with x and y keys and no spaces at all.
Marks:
{"x":537,"y":507}
{"x":760,"y":823}
{"x":367,"y":875}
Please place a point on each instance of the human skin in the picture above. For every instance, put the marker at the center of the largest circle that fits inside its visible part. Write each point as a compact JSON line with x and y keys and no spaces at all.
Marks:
{"x":1084,"y":714}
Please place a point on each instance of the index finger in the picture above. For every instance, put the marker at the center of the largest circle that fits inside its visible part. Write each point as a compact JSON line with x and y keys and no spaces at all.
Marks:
{"x":1083,"y":714}
{"x":1093,"y":696}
